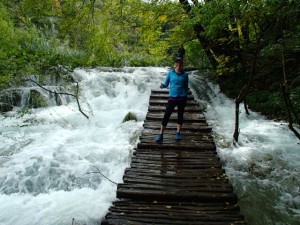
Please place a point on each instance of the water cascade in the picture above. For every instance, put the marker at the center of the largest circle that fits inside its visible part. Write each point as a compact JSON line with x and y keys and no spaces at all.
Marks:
{"x":51,"y":158}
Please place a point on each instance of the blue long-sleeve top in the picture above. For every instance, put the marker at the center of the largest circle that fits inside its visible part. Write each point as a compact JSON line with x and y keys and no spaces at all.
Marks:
{"x":178,"y":84}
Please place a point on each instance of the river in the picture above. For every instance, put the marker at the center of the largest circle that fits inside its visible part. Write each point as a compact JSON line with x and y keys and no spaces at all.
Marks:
{"x":54,"y":163}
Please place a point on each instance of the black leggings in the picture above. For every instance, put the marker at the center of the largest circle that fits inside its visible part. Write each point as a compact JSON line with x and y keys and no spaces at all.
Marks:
{"x":170,"y":108}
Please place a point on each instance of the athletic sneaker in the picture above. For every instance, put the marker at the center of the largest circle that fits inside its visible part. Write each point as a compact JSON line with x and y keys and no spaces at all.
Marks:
{"x":178,"y":136}
{"x":159,"y":138}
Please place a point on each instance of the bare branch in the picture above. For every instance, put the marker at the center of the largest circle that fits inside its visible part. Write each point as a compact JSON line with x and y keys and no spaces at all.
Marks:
{"x":98,"y":171}
{"x":64,"y":93}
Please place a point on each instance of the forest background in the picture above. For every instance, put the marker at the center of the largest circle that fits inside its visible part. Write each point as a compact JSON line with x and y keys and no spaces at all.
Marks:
{"x":250,"y":48}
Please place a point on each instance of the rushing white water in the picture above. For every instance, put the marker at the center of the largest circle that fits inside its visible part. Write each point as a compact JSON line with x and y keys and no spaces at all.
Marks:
{"x":50,"y":159}
{"x":264,"y":169}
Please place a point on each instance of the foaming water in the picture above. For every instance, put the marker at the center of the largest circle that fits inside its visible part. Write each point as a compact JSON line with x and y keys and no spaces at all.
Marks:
{"x":264,"y":167}
{"x":50,"y":159}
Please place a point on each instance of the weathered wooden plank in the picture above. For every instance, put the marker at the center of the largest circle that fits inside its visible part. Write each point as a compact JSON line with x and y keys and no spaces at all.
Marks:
{"x":157,"y":221}
{"x":167,"y":151}
{"x":175,"y":158}
{"x":166,"y":96}
{"x":197,"y":216}
{"x":189,"y":174}
{"x":164,"y":91}
{"x":178,"y":145}
{"x":216,"y":185}
{"x":200,"y":216}
{"x":212,"y":178}
{"x":164,"y":102}
{"x":178,"y":169}
{"x":200,"y":127}
{"x":175,"y":213}
{"x":190,"y":115}
{"x":177,"y":161}
{"x":183,"y":132}
{"x":171,"y":153}
{"x":187,"y":117}
{"x":135,"y":192}
{"x":185,"y":141}
{"x":157,"y":108}
{"x":176,"y":206}
{"x":186,"y":185}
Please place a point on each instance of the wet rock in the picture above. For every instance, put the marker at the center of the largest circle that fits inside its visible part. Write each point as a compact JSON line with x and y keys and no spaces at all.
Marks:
{"x":129,"y":116}
{"x":4,"y":107}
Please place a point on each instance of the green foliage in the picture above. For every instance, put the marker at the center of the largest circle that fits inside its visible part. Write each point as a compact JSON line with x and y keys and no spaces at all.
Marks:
{"x":129,"y":116}
{"x":295,"y":96}
{"x":132,"y":33}
{"x":39,"y":36}
{"x":266,"y":102}
{"x":250,"y":41}
{"x":23,"y":111}
{"x":196,"y":56}
{"x":28,"y":49}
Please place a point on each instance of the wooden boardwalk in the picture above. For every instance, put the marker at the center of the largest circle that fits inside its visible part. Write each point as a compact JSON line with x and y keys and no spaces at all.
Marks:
{"x":175,"y":182}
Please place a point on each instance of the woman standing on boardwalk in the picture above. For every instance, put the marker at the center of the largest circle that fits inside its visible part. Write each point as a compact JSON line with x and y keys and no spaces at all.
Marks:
{"x":178,"y":80}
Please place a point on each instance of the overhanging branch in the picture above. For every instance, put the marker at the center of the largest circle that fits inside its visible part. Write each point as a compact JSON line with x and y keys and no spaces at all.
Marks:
{"x":64,"y":93}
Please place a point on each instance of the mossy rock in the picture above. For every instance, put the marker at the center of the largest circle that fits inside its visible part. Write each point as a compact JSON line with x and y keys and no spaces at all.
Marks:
{"x":36,"y":100}
{"x":129,"y":116}
{"x":5,"y":107}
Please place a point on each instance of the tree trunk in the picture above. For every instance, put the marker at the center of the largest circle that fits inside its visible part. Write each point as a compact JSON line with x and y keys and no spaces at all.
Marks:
{"x":288,"y":111}
{"x":287,"y":101}
{"x":242,"y":95}
{"x":246,"y":107}
{"x":236,"y":127}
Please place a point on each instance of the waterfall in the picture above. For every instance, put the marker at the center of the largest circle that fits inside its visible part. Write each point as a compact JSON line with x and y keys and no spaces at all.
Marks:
{"x":50,"y":158}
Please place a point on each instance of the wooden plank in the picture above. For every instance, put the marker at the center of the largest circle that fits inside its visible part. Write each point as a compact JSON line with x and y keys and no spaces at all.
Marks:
{"x":188,"y":117}
{"x":179,"y":145}
{"x":157,"y":108}
{"x":185,"y":141}
{"x":178,"y":169}
{"x":163,"y":215}
{"x":162,"y":157}
{"x":189,"y":216}
{"x":198,"y":127}
{"x":185,"y":132}
{"x":164,"y":91}
{"x":177,"y":161}
{"x":185,"y":184}
{"x":216,"y":174}
{"x":174,"y":213}
{"x":177,"y":206}
{"x":154,"y":102}
{"x":165,"y":153}
{"x":118,"y":220}
{"x":166,"y":96}
{"x":136,"y":192}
